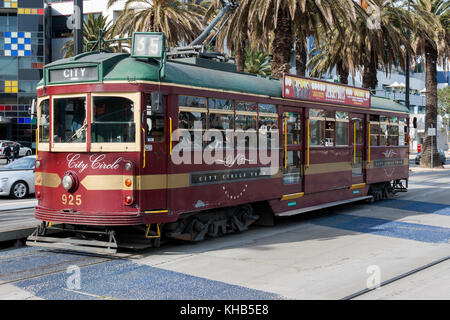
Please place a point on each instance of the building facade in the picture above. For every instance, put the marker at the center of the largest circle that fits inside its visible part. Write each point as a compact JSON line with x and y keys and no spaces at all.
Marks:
{"x":23,"y":52}
{"x":32,"y":33}
{"x":61,"y":11}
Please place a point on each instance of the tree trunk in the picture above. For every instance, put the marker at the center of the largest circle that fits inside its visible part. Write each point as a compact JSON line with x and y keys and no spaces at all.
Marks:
{"x":239,"y":55}
{"x":342,"y":72}
{"x":370,"y":80}
{"x":300,"y":55}
{"x":430,"y":108}
{"x":282,"y":44}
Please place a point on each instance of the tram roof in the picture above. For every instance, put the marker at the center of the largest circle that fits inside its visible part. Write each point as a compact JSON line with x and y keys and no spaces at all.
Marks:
{"x":122,"y":67}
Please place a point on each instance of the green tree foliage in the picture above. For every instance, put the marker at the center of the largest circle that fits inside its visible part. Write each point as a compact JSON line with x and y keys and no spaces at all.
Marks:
{"x":91,"y":29}
{"x":181,"y":21}
{"x":257,"y":62}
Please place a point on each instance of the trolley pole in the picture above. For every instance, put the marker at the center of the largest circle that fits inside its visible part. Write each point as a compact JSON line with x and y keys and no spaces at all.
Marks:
{"x":78,"y":26}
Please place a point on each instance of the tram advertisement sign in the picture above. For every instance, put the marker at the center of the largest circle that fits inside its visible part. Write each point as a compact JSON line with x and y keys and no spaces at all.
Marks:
{"x":322,"y":91}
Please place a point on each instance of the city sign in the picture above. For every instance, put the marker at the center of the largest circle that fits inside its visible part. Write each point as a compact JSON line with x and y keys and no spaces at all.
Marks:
{"x":322,"y":91}
{"x":75,"y":74}
{"x":148,"y":45}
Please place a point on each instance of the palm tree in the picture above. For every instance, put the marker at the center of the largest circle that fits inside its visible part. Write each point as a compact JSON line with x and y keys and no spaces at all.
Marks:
{"x":271,"y":25}
{"x":257,"y":62}
{"x":91,"y":29}
{"x":236,"y":33}
{"x":431,"y":39}
{"x":365,"y":45}
{"x":180,"y":21}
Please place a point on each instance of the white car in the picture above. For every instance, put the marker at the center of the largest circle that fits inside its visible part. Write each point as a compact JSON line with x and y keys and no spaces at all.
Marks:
{"x":17,"y":178}
{"x":23,"y":151}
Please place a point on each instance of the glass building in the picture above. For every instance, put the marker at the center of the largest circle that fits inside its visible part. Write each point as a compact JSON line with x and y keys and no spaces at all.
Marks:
{"x":24,"y":49}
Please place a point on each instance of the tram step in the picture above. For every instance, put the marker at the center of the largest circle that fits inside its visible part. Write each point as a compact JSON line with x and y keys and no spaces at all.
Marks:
{"x":321,"y":206}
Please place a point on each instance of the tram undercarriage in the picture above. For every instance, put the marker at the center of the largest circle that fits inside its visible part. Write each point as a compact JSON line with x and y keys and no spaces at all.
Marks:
{"x":106,"y":240}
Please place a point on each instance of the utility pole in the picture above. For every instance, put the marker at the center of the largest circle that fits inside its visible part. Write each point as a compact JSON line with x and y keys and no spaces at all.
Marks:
{"x":78,"y":26}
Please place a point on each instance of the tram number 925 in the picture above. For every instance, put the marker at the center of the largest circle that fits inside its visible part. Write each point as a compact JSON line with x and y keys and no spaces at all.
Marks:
{"x":71,"y":199}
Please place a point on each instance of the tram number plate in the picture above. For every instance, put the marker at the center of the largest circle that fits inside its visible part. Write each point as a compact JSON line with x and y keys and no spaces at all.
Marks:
{"x":148,"y":45}
{"x":71,"y":199}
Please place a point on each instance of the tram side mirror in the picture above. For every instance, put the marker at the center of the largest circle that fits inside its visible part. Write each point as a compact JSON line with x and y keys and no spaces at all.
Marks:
{"x":415,"y":123}
{"x":157,"y":102}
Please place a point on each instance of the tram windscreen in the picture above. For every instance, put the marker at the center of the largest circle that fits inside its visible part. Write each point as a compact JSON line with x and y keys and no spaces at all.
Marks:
{"x":113,"y":120}
{"x":69,"y":120}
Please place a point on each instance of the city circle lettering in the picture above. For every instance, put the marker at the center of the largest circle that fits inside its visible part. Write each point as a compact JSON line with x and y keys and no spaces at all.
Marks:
{"x":96,"y":162}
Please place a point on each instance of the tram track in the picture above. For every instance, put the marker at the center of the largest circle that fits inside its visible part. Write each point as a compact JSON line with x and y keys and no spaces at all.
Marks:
{"x":396,"y":278}
{"x":81,"y":261}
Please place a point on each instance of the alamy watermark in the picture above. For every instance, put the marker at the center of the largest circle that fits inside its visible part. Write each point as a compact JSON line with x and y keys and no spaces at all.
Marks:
{"x":227,"y":147}
{"x":73,"y":282}
{"x":374,"y":280}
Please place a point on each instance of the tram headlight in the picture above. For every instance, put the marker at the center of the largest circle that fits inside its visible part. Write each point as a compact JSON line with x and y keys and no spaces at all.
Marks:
{"x":67,"y":182}
{"x":37,"y":164}
{"x":128,"y":166}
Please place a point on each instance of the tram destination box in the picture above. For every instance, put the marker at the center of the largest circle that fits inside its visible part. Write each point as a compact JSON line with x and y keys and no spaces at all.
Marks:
{"x":75,"y":74}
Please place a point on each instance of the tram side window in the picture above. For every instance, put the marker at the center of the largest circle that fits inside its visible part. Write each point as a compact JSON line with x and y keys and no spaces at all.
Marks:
{"x":268,"y":124}
{"x":220,"y":118}
{"x":316,"y":127}
{"x":375,"y":130}
{"x":402,"y":132}
{"x":293,"y":127}
{"x":393,"y":132}
{"x":192,"y":118}
{"x":246,"y":119}
{"x":341,"y":128}
{"x":69,"y":120}
{"x":330,"y":123}
{"x":154,"y":123}
{"x":113,"y":120}
{"x":44,"y":121}
{"x":384,"y":131}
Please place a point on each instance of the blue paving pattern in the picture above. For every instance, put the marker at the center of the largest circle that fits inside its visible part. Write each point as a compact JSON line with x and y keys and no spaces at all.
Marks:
{"x":387,"y":228}
{"x":416,"y":206}
{"x":124,"y":279}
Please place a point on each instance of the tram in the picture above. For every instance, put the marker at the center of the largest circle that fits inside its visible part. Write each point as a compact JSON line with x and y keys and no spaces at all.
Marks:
{"x":135,"y":147}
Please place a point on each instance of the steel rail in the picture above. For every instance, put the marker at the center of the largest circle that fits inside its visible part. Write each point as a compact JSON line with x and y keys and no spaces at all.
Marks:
{"x":399,"y":277}
{"x":15,"y":209}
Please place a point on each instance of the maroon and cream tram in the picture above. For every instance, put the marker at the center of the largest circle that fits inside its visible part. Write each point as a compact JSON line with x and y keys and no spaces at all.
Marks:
{"x":111,"y":127}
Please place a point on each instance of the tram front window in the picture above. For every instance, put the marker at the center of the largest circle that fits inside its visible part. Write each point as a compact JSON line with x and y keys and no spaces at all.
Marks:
{"x":113,"y":120}
{"x":69,"y":120}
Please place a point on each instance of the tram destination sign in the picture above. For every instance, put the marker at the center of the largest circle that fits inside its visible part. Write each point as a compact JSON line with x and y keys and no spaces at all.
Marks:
{"x":322,"y":91}
{"x":75,"y":74}
{"x":148,"y":45}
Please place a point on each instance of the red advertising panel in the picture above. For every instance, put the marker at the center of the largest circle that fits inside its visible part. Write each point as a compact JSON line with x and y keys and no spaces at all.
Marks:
{"x":322,"y":91}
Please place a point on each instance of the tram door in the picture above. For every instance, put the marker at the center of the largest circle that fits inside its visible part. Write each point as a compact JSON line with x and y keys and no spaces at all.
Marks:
{"x":291,"y":151}
{"x":357,"y":147}
{"x":154,"y":156}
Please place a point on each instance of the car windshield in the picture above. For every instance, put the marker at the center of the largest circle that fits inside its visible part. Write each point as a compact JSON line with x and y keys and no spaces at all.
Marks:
{"x":24,"y":163}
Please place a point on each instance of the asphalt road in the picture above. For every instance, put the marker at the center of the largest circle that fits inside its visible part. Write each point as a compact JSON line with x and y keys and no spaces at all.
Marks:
{"x":327,"y":254}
